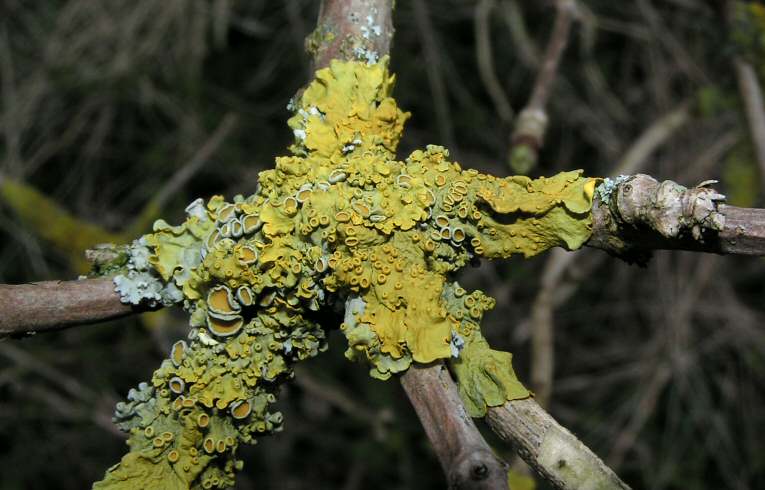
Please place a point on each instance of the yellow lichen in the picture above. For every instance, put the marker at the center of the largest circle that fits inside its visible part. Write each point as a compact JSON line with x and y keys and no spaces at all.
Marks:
{"x":339,"y":222}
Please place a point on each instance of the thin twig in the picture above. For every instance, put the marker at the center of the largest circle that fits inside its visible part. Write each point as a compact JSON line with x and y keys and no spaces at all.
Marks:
{"x":543,"y":328}
{"x":376,"y":419}
{"x":654,"y":136}
{"x":68,"y":383}
{"x":527,"y":140}
{"x":564,"y":13}
{"x":531,"y":126}
{"x":482,"y":28}
{"x":542,"y":323}
{"x":523,"y":45}
{"x":10,"y":126}
{"x":72,"y":386}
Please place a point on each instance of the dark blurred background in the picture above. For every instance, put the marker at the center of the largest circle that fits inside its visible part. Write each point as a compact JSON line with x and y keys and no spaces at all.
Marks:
{"x":106,"y":105}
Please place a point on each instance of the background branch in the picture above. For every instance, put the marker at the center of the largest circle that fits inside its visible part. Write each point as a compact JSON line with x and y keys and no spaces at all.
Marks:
{"x":483,"y":51}
{"x":531,"y":125}
{"x":749,"y":87}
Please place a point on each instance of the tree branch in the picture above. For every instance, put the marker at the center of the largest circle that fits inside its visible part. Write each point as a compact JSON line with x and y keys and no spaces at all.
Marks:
{"x":639,"y":214}
{"x":346,"y":29}
{"x":466,"y":458}
{"x":351,"y":29}
{"x":636,"y":217}
{"x":549,"y":448}
{"x":26,"y":309}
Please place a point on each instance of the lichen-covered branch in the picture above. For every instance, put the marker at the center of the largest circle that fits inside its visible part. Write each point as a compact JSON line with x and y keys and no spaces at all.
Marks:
{"x":340,"y":225}
{"x":633,"y":215}
{"x":554,"y":452}
{"x":26,"y":309}
{"x":337,"y":224}
{"x":467,"y":460}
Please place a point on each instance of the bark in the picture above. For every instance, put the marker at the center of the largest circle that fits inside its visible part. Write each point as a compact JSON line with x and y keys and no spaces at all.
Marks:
{"x":640,"y":214}
{"x":466,"y":458}
{"x":26,"y":309}
{"x":351,"y":29}
{"x":554,"y":452}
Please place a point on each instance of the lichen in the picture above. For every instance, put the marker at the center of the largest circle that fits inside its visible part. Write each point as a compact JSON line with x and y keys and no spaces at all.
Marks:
{"x":139,"y":283}
{"x":338,"y":224}
{"x":608,"y":186}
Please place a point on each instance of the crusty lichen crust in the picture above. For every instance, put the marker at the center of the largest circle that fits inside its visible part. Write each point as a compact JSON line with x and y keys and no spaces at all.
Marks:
{"x":340,"y":222}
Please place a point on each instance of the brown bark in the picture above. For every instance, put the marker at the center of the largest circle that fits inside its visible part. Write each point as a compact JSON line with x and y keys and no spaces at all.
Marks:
{"x":351,"y":29}
{"x":26,"y":309}
{"x":466,"y":458}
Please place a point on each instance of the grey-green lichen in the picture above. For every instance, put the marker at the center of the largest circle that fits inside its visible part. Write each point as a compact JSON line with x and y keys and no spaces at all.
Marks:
{"x":139,"y":283}
{"x":607,"y":187}
{"x":339,"y":223}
